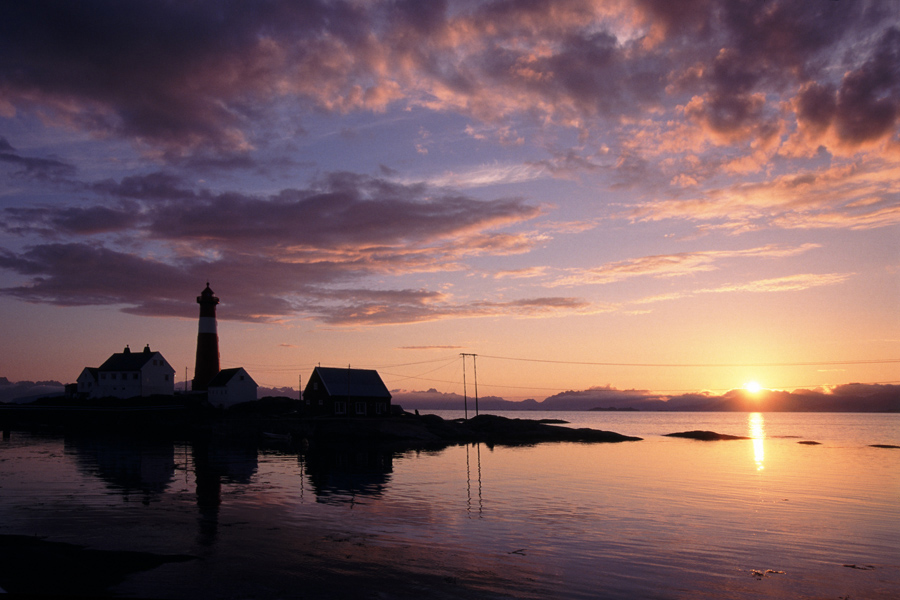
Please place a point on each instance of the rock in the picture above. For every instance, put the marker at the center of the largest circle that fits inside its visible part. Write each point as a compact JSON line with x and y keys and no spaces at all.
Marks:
{"x":706,"y":436}
{"x":32,"y":565}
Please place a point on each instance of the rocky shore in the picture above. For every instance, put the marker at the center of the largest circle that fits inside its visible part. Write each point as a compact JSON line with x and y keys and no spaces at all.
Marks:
{"x":422,"y":430}
{"x":281,"y":420}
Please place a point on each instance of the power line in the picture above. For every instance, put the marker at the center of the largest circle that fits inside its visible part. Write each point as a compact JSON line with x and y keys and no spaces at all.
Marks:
{"x":700,"y":365}
{"x":665,"y":390}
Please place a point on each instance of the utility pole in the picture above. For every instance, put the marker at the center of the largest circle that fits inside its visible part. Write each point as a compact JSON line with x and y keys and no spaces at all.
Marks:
{"x":465,"y":398}
{"x":475,"y":369}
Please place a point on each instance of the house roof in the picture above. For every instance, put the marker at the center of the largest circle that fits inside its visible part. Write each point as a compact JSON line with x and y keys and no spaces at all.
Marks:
{"x":91,"y":372}
{"x":128,"y":360}
{"x":359,"y":382}
{"x":225,"y":375}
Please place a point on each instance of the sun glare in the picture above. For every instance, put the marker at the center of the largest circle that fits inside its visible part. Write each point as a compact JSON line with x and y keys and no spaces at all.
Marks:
{"x":752,"y":387}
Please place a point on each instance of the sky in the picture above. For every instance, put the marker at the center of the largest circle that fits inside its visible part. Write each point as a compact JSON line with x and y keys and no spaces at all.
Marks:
{"x":638,"y":194}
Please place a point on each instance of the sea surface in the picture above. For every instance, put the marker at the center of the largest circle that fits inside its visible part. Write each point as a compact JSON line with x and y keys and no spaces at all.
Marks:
{"x":666,"y":518}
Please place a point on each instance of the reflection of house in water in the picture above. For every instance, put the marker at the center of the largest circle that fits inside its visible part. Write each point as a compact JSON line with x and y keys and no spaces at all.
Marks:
{"x":146,"y":466}
{"x":127,"y":464}
{"x":341,"y":474}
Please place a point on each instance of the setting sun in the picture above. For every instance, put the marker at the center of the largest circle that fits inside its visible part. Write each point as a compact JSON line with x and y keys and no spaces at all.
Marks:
{"x":752,"y":387}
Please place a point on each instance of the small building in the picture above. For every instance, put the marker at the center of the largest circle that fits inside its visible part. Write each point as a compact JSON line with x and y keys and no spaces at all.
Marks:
{"x":230,"y":387}
{"x":87,"y":382}
{"x":128,"y":374}
{"x":346,"y":393}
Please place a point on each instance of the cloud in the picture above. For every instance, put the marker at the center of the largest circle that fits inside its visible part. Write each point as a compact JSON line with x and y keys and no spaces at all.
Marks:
{"x":147,"y":241}
{"x":862,"y":110}
{"x":489,"y":175}
{"x":447,"y":347}
{"x":341,"y":215}
{"x":366,"y":307}
{"x":525,"y":273}
{"x":788,"y":283}
{"x":672,"y":265}
{"x":859,"y":195}
{"x":197,"y":76}
{"x":33,"y":167}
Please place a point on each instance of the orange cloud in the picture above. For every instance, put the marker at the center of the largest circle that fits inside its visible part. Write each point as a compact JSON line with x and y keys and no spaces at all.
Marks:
{"x":672,"y":265}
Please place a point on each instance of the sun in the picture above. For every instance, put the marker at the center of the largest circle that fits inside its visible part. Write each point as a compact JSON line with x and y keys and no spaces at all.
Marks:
{"x":752,"y":386}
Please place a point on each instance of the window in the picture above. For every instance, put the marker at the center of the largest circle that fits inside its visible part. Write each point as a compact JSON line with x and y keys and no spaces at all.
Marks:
{"x":166,"y":377}
{"x":340,"y":408}
{"x":242,"y":377}
{"x":360,"y":408}
{"x":102,"y":375}
{"x":379,"y":408}
{"x":135,"y":376}
{"x":112,"y":375}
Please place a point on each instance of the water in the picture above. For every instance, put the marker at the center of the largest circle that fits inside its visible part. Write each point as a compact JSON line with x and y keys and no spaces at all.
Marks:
{"x":661,"y":518}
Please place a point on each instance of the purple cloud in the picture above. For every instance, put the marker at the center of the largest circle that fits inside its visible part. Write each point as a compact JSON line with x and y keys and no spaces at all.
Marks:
{"x":149,"y":239}
{"x":34,"y":167}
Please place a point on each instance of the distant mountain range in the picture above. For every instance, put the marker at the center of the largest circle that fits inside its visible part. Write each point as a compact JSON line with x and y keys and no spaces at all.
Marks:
{"x":852,"y":397}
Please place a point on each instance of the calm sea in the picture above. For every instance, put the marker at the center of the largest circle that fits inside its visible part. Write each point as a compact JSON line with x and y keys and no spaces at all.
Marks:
{"x":663,"y":518}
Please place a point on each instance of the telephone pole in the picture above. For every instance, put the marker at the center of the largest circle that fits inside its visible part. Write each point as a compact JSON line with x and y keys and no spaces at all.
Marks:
{"x":475,"y":370}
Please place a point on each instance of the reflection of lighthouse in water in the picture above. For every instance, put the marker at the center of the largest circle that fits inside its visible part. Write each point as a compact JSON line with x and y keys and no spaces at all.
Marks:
{"x":207,"y":365}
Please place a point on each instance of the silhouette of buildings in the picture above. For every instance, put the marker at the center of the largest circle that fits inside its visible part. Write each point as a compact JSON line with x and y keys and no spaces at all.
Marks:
{"x":347,"y":393}
{"x":230,"y":387}
{"x":128,"y":374}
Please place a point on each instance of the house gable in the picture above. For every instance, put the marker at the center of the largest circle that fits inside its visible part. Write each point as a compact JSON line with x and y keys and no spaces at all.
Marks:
{"x":129,"y":374}
{"x":230,"y":387}
{"x":346,"y":392}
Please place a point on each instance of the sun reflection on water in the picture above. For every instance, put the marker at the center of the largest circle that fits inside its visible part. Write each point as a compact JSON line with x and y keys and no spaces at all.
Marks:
{"x":756,"y":425}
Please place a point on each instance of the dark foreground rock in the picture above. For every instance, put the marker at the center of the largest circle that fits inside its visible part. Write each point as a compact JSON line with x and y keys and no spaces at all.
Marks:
{"x":32,"y":565}
{"x":706,"y":436}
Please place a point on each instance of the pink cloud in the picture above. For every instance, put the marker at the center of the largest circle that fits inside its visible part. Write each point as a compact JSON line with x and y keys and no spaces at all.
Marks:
{"x":672,"y":265}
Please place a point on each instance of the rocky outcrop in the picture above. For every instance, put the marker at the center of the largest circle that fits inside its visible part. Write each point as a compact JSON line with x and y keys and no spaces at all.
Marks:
{"x":706,"y":436}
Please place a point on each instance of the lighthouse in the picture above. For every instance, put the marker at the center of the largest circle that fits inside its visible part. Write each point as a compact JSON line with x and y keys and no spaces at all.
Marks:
{"x":207,"y":365}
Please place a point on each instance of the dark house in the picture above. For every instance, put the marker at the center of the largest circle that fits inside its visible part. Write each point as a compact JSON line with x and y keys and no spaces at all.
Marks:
{"x":346,"y":393}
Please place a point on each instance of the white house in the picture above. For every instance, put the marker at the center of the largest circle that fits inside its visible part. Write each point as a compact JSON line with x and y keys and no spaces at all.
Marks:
{"x":230,"y":387}
{"x":88,"y":381}
{"x":128,"y":374}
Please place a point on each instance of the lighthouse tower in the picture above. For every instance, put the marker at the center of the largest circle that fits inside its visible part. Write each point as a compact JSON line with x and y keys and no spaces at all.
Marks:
{"x":207,"y":365}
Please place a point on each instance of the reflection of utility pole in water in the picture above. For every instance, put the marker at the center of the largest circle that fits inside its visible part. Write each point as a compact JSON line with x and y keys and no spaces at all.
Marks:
{"x":469,"y":481}
{"x":465,"y":390}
